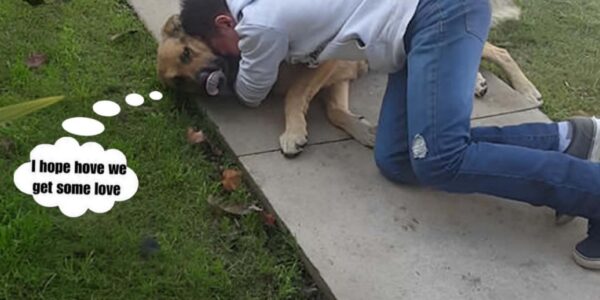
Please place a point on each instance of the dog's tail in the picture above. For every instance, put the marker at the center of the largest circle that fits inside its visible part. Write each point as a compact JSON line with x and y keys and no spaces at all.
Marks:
{"x":503,"y":10}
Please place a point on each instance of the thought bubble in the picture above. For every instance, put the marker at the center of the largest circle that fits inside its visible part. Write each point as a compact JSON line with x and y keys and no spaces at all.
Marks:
{"x":76,"y":177}
{"x":156,"y":95}
{"x":134,"y":99}
{"x":106,"y":108}
{"x":83,"y":126}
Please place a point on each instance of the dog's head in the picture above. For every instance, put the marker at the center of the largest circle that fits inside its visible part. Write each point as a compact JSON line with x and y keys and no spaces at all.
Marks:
{"x":184,"y":62}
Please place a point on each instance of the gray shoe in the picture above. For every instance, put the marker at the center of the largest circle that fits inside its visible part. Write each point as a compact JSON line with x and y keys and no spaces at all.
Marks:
{"x":562,"y":219}
{"x":585,"y":139}
{"x":585,"y":144}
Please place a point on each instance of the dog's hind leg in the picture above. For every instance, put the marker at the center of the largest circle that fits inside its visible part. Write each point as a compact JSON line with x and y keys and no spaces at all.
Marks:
{"x":481,"y":86}
{"x":518,"y":80}
{"x":339,"y":114}
{"x":297,"y":99}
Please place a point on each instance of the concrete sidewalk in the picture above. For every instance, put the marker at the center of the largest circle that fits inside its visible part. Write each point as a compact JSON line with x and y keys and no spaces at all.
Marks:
{"x":366,"y":238}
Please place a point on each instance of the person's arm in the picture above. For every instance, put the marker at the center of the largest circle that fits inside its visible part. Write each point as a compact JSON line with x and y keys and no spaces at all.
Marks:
{"x":262,"y":50}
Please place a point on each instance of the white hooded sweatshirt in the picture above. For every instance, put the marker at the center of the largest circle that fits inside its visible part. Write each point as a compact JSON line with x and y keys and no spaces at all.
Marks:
{"x":313,"y":31}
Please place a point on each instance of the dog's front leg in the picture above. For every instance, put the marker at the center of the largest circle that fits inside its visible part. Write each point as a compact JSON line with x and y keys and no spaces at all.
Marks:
{"x":338,"y":111}
{"x":297,"y":99}
{"x":295,"y":136}
{"x":518,"y":80}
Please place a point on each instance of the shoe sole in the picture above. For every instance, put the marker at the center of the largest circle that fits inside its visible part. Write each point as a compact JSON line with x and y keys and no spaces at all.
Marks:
{"x":594,"y":155}
{"x":562,"y":219}
{"x":586,"y":262}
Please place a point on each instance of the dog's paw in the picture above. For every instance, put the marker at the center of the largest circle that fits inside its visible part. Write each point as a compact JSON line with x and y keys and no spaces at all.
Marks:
{"x":481,"y":86}
{"x":292,"y":144}
{"x":530,"y":91}
{"x":362,"y":131}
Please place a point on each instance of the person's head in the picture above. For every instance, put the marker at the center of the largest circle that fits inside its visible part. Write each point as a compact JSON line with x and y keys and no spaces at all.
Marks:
{"x":211,"y":21}
{"x":184,"y":62}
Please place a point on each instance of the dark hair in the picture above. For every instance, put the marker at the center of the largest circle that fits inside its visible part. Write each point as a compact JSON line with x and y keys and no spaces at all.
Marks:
{"x":198,"y":16}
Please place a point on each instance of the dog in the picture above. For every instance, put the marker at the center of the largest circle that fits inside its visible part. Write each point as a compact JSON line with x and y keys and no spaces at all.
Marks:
{"x":181,"y":58}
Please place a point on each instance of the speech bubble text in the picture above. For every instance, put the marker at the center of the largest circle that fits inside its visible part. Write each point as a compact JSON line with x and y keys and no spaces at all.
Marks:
{"x":76,"y":178}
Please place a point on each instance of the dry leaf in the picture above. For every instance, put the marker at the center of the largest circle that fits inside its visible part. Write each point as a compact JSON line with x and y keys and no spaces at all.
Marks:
{"x":582,"y":113}
{"x":149,"y":247}
{"x":195,"y":137}
{"x":232,"y":179}
{"x":7,"y":147}
{"x":35,"y":2}
{"x":120,"y":35}
{"x":310,"y":292}
{"x":216,"y":151}
{"x":36,"y":60}
{"x":268,"y":219}
{"x":234,"y":209}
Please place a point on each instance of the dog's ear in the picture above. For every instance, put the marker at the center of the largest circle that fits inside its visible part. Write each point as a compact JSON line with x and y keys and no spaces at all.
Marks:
{"x":172,"y":28}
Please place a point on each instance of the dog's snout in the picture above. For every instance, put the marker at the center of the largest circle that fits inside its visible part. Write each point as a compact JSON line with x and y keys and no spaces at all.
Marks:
{"x":202,"y":75}
{"x":217,"y":64}
{"x":214,"y":65}
{"x":220,"y":62}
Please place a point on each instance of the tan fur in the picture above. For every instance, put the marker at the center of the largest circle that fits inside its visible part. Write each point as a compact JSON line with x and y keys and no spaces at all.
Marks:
{"x":504,"y":10}
{"x":300,"y":84}
{"x":519,"y":81}
{"x":297,"y":83}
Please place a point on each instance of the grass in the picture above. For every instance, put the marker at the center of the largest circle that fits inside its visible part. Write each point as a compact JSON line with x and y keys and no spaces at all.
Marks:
{"x":45,"y":255}
{"x":203,"y":254}
{"x":557,"y":44}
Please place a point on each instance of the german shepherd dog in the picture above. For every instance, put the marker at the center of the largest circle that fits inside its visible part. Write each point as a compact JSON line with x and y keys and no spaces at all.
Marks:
{"x":181,"y":58}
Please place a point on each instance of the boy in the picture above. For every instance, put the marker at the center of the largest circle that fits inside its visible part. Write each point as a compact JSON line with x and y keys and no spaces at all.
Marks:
{"x":432,"y":50}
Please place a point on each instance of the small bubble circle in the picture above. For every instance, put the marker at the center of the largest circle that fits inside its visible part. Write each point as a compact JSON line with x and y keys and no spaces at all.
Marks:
{"x":83,"y":126}
{"x":106,"y":108}
{"x":134,"y":99}
{"x":156,"y":95}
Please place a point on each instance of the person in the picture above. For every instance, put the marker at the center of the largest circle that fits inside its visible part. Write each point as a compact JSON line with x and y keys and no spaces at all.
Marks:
{"x":432,"y":51}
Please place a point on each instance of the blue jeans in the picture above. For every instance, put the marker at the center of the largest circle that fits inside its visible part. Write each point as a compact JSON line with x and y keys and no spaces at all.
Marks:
{"x":424,"y":135}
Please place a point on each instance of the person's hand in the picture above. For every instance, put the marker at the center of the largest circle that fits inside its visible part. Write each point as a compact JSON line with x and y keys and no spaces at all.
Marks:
{"x":214,"y":82}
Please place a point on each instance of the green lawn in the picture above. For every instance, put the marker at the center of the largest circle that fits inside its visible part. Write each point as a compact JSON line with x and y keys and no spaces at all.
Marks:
{"x":557,"y":43}
{"x":45,"y":255}
{"x":203,"y":254}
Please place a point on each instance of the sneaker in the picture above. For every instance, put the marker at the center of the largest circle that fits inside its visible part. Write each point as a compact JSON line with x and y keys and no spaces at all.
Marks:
{"x":585,"y":144}
{"x":585,"y":138}
{"x":562,"y":219}
{"x":587,"y":252}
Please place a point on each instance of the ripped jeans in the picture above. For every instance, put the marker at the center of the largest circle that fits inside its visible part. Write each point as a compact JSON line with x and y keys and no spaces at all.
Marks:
{"x":424,"y":135}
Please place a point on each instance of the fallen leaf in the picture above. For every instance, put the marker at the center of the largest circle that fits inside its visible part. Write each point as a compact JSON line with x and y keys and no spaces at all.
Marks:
{"x":268,"y":219}
{"x":122,"y":34}
{"x":234,"y":209}
{"x":149,"y":247}
{"x":35,"y":2}
{"x":232,"y":179}
{"x":216,"y":151}
{"x":36,"y":60}
{"x":582,"y":113}
{"x":7,"y":147}
{"x":195,"y":137}
{"x":310,"y":292}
